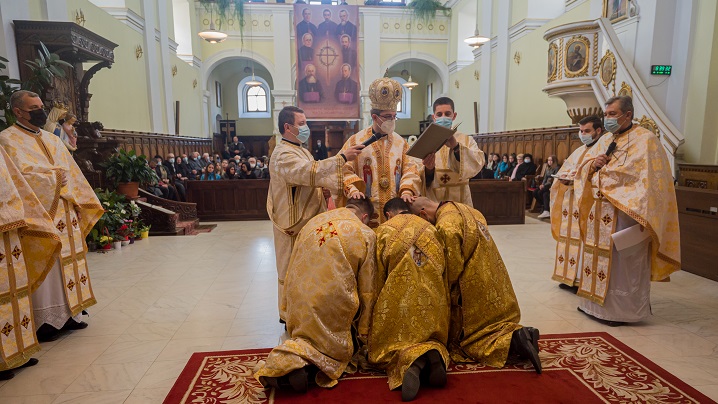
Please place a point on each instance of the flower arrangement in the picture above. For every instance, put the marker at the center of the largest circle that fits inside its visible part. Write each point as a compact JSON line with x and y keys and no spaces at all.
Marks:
{"x":119,"y":222}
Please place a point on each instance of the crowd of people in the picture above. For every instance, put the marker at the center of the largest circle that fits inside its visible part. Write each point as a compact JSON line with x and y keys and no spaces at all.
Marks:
{"x":173,"y":172}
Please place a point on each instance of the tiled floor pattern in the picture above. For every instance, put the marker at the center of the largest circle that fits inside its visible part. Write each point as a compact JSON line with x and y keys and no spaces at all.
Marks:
{"x":164,"y":298}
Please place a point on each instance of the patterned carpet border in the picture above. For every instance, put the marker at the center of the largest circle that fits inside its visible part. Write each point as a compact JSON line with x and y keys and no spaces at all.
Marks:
{"x":593,"y":366}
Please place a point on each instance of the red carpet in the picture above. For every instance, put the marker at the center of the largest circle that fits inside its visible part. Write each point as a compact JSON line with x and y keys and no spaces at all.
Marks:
{"x":585,"y":368}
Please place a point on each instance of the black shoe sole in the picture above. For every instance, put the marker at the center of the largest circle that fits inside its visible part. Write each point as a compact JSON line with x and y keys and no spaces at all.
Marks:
{"x":525,"y":348}
{"x":411,"y":383}
{"x":435,"y":369}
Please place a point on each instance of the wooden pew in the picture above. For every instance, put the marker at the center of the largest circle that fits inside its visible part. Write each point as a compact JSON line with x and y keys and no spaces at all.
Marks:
{"x":698,"y":219}
{"x":229,"y":199}
{"x":501,"y":202}
{"x":152,"y":144}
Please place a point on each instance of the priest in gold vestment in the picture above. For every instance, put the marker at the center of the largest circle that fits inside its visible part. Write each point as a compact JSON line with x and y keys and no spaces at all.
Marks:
{"x":410,"y":323}
{"x":295,"y":186}
{"x":446,"y":173}
{"x":383,"y":170}
{"x":330,"y":286}
{"x":485,"y":315}
{"x":28,"y":250}
{"x":564,"y":212}
{"x":70,"y":202}
{"x":632,"y":191}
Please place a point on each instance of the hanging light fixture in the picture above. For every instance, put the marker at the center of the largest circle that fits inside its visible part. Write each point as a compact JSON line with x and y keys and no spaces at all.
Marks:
{"x":411,"y":83}
{"x":476,"y":40}
{"x":211,"y":35}
{"x":254,"y":82}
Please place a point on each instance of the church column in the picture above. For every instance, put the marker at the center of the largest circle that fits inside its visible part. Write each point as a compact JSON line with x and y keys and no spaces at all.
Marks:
{"x":154,"y":97}
{"x":11,"y":10}
{"x":166,"y":65}
{"x":206,"y":127}
{"x":372,"y":58}
{"x":484,"y":53}
{"x":283,"y":94}
{"x":502,"y":66}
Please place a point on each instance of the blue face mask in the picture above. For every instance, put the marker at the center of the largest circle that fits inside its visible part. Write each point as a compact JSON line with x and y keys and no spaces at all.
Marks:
{"x":444,"y":121}
{"x":611,"y":124}
{"x":304,"y":133}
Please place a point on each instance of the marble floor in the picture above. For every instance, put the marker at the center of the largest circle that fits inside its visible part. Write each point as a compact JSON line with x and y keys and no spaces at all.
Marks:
{"x":164,"y":298}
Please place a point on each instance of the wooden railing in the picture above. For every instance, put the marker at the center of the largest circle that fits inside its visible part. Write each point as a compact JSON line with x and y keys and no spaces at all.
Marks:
{"x":152,"y":144}
{"x":541,"y":142}
{"x":229,"y":199}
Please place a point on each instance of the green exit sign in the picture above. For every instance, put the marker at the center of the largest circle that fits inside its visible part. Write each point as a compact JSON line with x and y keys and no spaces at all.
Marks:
{"x":662,"y":70}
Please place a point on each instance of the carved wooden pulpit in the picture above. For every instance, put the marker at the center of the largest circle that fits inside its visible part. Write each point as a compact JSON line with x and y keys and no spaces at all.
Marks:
{"x":75,"y":45}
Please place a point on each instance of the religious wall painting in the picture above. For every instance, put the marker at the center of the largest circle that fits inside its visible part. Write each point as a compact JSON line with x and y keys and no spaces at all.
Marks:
{"x":552,"y":61}
{"x":607,"y":71}
{"x":576,"y":56}
{"x":615,"y":10}
{"x":328,"y":84}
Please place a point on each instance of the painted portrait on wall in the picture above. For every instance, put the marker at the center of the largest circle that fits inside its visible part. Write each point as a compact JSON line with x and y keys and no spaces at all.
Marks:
{"x":615,"y":10}
{"x":576,"y":56}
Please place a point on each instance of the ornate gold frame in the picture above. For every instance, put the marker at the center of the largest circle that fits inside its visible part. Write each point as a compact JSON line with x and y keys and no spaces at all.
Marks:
{"x":608,"y":56}
{"x":605,"y":12}
{"x":649,"y":124}
{"x":625,"y":90}
{"x":584,"y":69}
{"x":552,"y":75}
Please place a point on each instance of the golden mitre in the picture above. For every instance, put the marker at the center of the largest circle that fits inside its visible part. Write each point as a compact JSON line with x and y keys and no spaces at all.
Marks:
{"x":384,"y":94}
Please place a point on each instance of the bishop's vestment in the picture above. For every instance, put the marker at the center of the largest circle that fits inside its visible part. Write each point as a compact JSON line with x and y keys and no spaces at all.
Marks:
{"x":381,"y":171}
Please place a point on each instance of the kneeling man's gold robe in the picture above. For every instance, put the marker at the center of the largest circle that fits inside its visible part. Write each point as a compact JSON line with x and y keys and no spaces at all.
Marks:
{"x":28,"y":249}
{"x":411,"y":314}
{"x":330,"y":287}
{"x":484,"y":309}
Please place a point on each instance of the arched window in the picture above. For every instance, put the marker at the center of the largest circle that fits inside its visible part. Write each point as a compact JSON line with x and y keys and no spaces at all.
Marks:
{"x":254,"y":102}
{"x":403,"y":109}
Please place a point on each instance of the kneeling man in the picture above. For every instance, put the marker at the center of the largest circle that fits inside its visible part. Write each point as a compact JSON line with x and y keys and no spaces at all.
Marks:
{"x":410,"y":323}
{"x":329,"y":292}
{"x":485,"y":314}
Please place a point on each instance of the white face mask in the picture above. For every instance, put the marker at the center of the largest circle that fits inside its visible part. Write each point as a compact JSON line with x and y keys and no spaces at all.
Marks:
{"x":388,"y":126}
{"x":586,"y":139}
{"x":527,"y":161}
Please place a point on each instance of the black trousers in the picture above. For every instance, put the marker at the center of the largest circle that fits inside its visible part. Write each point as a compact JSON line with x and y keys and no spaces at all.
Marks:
{"x":544,"y":196}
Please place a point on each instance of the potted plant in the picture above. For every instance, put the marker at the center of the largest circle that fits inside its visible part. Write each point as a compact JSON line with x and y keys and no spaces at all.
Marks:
{"x":116,"y":242}
{"x":425,"y":10}
{"x":145,"y":231}
{"x":92,"y":240}
{"x":105,"y":243}
{"x":127,"y":170}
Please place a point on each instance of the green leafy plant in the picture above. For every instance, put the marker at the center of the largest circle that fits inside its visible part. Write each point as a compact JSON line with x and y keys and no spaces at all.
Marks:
{"x":425,"y":10}
{"x":128,"y":167}
{"x":227,"y":9}
{"x":43,"y":70}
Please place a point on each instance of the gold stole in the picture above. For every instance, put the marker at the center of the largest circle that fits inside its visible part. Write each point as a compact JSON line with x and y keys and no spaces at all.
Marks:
{"x":75,"y":274}
{"x":17,"y":330}
{"x":569,"y":246}
{"x":598,"y":248}
{"x":445,"y":178}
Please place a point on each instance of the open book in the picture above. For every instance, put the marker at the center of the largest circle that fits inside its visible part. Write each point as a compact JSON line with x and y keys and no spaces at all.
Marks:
{"x":431,"y":140}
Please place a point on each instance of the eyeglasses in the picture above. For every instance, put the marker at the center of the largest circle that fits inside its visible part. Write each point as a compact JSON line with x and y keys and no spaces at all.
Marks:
{"x":389,"y":118}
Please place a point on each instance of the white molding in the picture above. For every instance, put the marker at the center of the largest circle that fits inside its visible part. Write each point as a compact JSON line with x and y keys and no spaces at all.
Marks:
{"x":191,"y":60}
{"x":571,"y":4}
{"x":414,"y":41}
{"x":458,"y":65}
{"x":430,"y":60}
{"x":229,"y":54}
{"x":128,"y":17}
{"x":242,"y":94}
{"x":173,"y":45}
{"x":525,"y":27}
{"x":451,"y":3}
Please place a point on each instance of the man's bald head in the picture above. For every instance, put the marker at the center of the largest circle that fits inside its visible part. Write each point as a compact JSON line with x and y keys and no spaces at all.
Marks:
{"x":425,"y":208}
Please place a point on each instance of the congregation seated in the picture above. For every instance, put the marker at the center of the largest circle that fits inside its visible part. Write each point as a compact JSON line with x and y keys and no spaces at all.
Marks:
{"x":158,"y":187}
{"x":542,"y":193}
{"x":210,"y":174}
{"x":245,"y":172}
{"x":506,"y":166}
{"x":526,"y":167}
